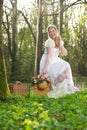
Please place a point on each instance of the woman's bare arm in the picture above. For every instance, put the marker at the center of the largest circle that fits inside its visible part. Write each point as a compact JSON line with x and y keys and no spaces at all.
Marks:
{"x":49,"y":54}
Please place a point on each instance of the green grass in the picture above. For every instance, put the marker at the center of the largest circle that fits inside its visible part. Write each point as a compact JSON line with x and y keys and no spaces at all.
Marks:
{"x":34,"y":112}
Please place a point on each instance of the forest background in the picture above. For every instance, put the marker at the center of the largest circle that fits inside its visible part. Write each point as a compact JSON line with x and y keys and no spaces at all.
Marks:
{"x":24,"y":34}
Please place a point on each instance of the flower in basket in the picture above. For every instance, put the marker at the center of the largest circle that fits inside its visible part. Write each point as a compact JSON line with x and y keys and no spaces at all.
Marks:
{"x":41,"y":84}
{"x":39,"y":79}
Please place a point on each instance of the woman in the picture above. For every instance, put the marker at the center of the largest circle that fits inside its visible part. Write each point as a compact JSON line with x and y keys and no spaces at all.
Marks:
{"x":58,"y":70}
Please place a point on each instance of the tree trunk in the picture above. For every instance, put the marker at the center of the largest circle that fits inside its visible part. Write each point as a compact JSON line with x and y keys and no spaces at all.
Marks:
{"x":55,"y":21}
{"x":14,"y":67}
{"x":4,"y":90}
{"x":39,"y":42}
{"x":61,"y":16}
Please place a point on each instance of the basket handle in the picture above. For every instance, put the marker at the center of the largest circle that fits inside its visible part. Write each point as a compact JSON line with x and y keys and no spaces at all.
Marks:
{"x":18,"y":82}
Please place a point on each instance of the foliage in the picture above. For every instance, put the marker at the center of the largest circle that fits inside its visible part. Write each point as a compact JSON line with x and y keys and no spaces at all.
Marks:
{"x":43,"y":113}
{"x":73,"y":33}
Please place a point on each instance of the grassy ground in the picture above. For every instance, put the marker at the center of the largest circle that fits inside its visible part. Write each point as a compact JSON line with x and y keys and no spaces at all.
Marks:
{"x":33,"y":112}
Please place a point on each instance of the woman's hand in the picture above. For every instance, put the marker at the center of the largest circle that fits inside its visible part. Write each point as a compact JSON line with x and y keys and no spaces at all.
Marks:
{"x":63,"y":51}
{"x":43,"y":72}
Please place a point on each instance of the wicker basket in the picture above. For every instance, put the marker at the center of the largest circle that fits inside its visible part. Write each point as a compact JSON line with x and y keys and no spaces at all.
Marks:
{"x":19,"y":88}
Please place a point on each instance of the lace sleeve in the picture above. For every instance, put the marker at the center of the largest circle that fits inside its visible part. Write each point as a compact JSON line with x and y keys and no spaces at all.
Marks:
{"x":49,"y":43}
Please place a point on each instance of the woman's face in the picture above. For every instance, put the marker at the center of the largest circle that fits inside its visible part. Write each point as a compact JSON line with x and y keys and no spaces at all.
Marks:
{"x":52,"y":32}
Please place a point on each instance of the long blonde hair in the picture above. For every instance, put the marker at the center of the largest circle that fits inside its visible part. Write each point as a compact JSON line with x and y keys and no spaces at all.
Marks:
{"x":58,"y":38}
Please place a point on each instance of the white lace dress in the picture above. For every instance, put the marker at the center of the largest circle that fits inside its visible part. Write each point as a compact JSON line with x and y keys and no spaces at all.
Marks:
{"x":56,"y":68}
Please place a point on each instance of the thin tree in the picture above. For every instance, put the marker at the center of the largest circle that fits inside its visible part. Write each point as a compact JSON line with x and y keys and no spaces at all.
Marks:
{"x":61,"y":15}
{"x":14,"y":67}
{"x":39,"y":37}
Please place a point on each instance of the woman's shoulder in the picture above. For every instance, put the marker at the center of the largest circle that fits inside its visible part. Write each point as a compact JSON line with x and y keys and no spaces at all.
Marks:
{"x":49,"y":40}
{"x":49,"y":43}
